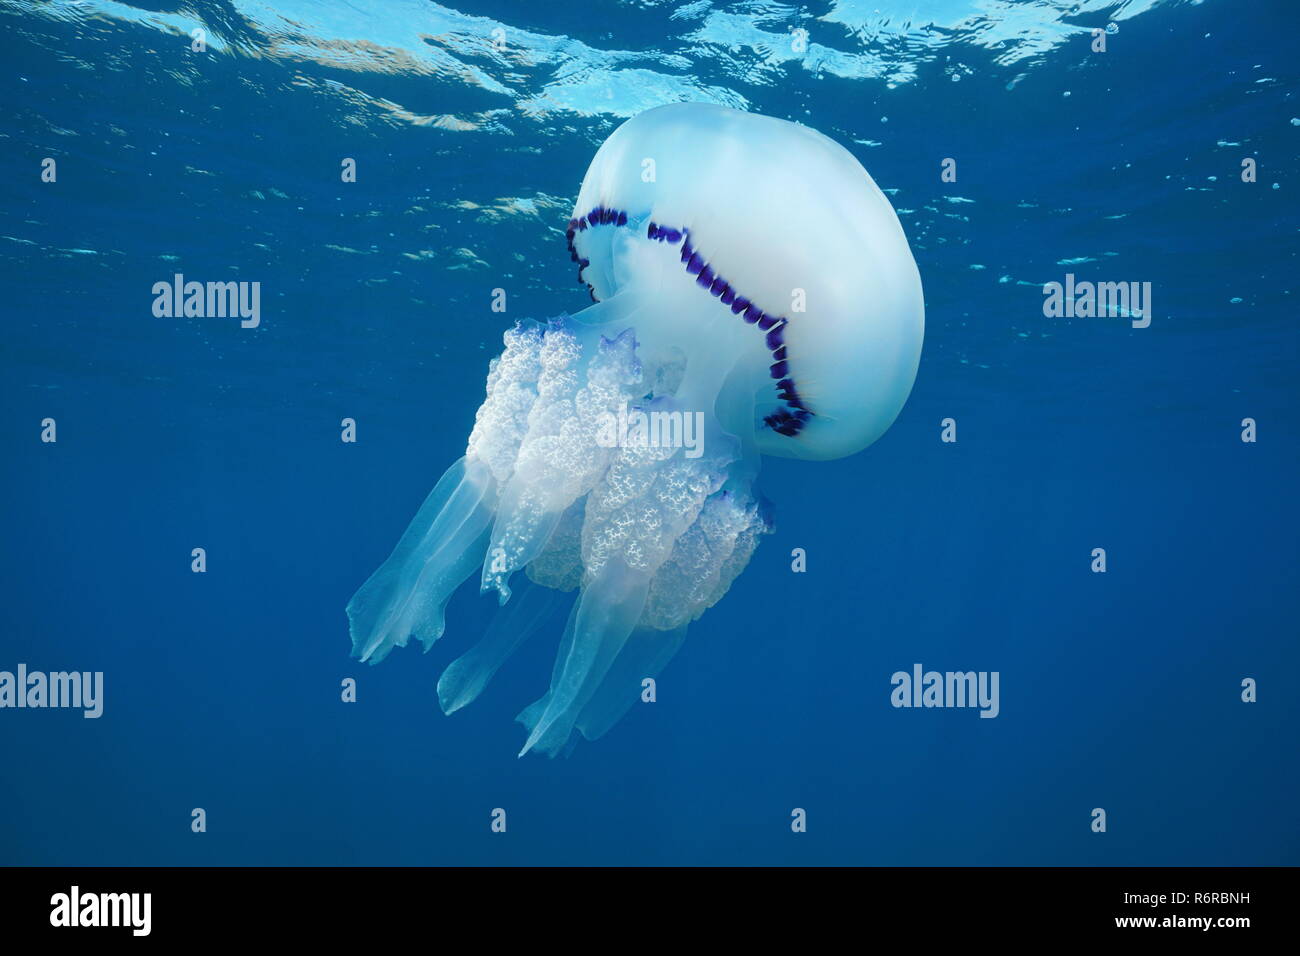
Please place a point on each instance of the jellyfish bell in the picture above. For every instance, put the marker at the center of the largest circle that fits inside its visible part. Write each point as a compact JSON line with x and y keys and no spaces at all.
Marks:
{"x":784,"y":228}
{"x":750,"y":280}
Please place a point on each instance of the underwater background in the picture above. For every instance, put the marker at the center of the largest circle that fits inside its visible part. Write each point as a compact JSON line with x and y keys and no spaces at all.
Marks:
{"x":471,"y":129}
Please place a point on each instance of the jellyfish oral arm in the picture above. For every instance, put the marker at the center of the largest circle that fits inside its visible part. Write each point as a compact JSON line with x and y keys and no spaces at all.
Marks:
{"x":406,"y":595}
{"x":656,"y":536}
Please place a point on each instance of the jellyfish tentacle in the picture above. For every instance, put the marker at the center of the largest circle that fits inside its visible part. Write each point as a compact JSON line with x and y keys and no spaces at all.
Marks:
{"x":605,"y":616}
{"x":467,"y":676}
{"x":563,"y":454}
{"x":534,"y":497}
{"x":645,"y":654}
{"x":501,"y":422}
{"x":438,"y":551}
{"x":598,"y":674}
{"x":648,"y":498}
{"x":530,"y":714}
{"x":705,"y":559}
{"x":449,"y":534}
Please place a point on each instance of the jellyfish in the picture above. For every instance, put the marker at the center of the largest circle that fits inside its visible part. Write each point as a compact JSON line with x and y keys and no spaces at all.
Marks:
{"x":753,"y":294}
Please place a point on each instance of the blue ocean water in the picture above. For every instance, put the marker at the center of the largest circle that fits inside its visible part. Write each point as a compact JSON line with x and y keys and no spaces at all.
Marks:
{"x":471,"y":129}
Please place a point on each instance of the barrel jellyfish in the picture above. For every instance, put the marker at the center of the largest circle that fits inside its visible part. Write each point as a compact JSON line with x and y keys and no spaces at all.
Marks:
{"x":754,"y":294}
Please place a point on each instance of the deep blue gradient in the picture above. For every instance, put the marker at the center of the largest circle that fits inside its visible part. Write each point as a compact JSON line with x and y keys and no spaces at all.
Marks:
{"x":1118,"y":690}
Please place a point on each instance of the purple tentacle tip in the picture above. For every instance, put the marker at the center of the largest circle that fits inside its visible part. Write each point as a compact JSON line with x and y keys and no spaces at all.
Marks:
{"x":776,"y":337}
